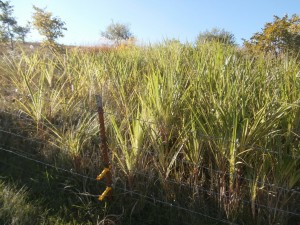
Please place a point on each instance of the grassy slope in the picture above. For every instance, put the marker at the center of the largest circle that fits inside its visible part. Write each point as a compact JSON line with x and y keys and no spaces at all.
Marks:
{"x":214,"y":128}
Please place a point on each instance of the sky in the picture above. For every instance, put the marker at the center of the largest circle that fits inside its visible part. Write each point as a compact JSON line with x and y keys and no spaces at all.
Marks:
{"x":153,"y":21}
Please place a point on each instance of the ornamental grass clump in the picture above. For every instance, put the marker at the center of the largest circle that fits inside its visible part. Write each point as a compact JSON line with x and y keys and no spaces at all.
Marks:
{"x":204,"y":127}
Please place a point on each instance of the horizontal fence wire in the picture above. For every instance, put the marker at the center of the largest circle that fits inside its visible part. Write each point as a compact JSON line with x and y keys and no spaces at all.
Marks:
{"x":202,"y":136}
{"x":170,"y":158}
{"x":133,"y":192}
{"x":50,"y":100}
{"x":19,"y":115}
{"x":44,"y":163}
{"x":30,"y":172}
{"x":211,"y":137}
{"x":125,"y":191}
{"x":23,"y":137}
{"x":185,"y":161}
{"x":157,"y":215}
{"x":210,"y":192}
{"x":198,"y":135}
{"x":152,"y":153}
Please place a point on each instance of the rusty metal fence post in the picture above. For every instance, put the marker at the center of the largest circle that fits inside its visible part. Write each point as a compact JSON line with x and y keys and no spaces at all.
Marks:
{"x":104,"y":147}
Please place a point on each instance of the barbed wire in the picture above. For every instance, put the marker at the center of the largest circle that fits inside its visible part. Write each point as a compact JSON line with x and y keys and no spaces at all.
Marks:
{"x":209,"y":137}
{"x":218,"y":171}
{"x":198,"y":187}
{"x":157,"y":214}
{"x":23,"y":137}
{"x":46,"y":164}
{"x":198,"y":134}
{"x":19,"y":151}
{"x":23,"y":115}
{"x":141,"y":195}
{"x":48,"y":99}
{"x":201,"y":136}
{"x":19,"y":115}
{"x":251,"y":180}
{"x":182,"y":161}
{"x":118,"y":188}
{"x":27,"y":172}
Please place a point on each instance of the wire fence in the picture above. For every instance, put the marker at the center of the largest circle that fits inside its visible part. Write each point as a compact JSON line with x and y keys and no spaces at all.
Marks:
{"x":22,"y":154}
{"x":123,"y":190}
{"x":199,"y":135}
{"x":170,"y":158}
{"x":204,"y":137}
{"x":152,"y":199}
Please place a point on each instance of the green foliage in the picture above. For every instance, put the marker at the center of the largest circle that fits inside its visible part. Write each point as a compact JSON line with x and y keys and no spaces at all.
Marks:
{"x":48,"y":26}
{"x":217,"y":35}
{"x":180,"y":119}
{"x":9,"y":29}
{"x":21,"y":32}
{"x":117,"y":32}
{"x":8,"y":22}
{"x":281,"y":35}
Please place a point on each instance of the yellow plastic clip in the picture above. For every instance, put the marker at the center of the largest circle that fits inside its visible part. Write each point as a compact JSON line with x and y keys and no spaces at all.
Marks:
{"x":102,"y":174}
{"x":107,"y":190}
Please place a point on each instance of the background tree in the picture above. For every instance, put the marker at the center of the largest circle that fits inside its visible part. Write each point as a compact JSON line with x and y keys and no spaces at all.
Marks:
{"x":48,"y":26}
{"x":217,"y":35}
{"x":7,"y":23}
{"x":117,"y":32}
{"x":283,"y":34}
{"x":21,"y":32}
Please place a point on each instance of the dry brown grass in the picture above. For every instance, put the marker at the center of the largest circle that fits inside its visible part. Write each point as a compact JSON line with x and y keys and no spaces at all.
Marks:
{"x":94,"y":49}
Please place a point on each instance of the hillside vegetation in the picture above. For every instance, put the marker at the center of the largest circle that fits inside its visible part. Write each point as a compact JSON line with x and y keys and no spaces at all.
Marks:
{"x":197,"y":135}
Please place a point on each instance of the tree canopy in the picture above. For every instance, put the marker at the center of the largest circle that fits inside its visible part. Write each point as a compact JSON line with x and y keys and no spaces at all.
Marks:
{"x":117,"y":32}
{"x":281,"y":35}
{"x":48,"y":26}
{"x":21,"y":32}
{"x":7,"y":22}
{"x":217,"y":35}
{"x":10,"y":31}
